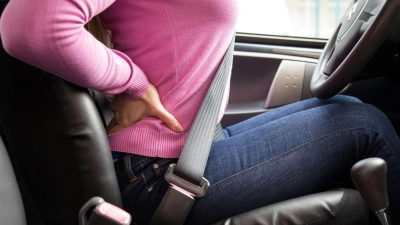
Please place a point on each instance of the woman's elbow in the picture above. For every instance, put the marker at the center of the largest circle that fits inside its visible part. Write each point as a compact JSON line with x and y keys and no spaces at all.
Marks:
{"x":19,"y":41}
{"x":21,"y":28}
{"x":11,"y":44}
{"x":22,"y":37}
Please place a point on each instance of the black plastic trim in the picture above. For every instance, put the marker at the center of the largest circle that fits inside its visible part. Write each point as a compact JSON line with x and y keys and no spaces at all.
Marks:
{"x":280,"y":50}
{"x":280,"y":40}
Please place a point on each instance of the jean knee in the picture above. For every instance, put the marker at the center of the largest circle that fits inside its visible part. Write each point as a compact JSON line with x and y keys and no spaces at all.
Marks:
{"x":344,"y":99}
{"x":369,"y":116}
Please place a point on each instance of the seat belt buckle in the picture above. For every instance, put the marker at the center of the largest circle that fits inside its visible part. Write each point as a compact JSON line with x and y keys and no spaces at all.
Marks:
{"x":186,"y":186}
{"x":179,"y":199}
{"x":103,"y":213}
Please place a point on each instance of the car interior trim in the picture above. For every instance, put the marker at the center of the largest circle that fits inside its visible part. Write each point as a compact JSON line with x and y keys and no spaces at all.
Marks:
{"x":287,"y":86}
{"x":283,"y":50}
{"x":280,"y":40}
{"x":274,"y":56}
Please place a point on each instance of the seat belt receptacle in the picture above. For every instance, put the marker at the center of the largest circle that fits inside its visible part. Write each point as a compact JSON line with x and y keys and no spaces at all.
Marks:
{"x":179,"y":199}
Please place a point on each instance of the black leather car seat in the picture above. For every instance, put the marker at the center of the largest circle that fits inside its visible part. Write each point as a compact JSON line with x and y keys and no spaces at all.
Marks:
{"x":11,"y":206}
{"x":338,"y":206}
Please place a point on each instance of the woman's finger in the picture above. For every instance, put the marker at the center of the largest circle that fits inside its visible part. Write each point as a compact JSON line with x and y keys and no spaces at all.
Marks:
{"x":111,"y":124}
{"x":116,"y":128}
{"x":169,"y":120}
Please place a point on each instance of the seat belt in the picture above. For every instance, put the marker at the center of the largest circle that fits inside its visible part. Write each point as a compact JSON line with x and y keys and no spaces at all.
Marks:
{"x":186,"y":177}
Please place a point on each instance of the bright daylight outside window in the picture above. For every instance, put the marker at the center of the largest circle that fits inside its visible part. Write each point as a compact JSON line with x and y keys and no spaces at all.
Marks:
{"x":296,"y":18}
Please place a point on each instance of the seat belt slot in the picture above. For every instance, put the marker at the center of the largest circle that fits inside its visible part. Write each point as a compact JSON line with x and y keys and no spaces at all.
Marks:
{"x":179,"y":198}
{"x":103,"y":213}
{"x":174,"y":208}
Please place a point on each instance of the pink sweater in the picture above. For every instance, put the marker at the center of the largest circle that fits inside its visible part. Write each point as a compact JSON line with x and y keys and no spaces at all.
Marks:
{"x":177,"y":45}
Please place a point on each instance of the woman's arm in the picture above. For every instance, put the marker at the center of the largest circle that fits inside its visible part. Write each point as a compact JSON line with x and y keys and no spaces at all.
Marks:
{"x":50,"y":34}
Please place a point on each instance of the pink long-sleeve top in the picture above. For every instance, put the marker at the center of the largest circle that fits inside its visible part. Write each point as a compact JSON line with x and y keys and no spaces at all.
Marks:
{"x":177,"y":45}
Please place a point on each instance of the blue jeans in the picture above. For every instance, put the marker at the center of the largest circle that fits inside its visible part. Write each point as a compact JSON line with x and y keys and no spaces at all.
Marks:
{"x":295,"y":150}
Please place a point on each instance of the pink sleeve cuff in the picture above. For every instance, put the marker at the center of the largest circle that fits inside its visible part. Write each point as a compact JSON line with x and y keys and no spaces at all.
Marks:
{"x":138,"y":83}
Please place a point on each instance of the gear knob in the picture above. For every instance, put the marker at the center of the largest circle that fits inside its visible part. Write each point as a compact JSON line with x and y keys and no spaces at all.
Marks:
{"x":369,"y":176}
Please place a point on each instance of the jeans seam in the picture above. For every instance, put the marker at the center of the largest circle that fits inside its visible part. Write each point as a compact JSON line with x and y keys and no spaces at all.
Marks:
{"x":384,"y":140}
{"x":140,"y":162}
{"x":127,"y":189}
{"x":163,"y":161}
{"x":294,"y":150}
{"x":149,"y":188}
{"x":228,"y":131}
{"x":128,"y":169}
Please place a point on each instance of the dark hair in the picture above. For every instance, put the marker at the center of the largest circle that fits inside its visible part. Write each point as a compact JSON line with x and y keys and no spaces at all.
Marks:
{"x":97,"y":28}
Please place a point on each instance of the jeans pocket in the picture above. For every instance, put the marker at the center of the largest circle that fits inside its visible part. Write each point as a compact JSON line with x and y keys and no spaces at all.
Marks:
{"x":160,"y":166}
{"x":132,"y":172}
{"x":142,"y":184}
{"x":143,"y":174}
{"x":154,"y":177}
{"x":132,"y":184}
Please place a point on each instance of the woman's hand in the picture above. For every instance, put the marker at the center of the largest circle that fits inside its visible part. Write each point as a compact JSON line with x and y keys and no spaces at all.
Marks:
{"x":128,"y":112}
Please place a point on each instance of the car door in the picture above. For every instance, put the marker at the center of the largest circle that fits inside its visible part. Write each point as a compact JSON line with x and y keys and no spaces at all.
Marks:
{"x":278,"y":43}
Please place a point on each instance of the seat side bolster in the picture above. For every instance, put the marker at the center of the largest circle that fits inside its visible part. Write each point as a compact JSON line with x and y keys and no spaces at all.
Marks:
{"x":11,"y":206}
{"x":339,"y":206}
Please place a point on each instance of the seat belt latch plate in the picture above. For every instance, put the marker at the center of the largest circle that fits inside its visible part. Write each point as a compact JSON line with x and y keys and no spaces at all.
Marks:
{"x":185,"y":186}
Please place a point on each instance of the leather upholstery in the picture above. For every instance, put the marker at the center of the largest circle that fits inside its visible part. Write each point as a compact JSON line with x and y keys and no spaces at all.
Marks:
{"x":60,"y":145}
{"x":57,"y":139}
{"x":11,"y":206}
{"x":339,"y":206}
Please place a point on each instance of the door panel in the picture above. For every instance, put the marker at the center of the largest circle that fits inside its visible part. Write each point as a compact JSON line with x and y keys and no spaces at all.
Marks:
{"x":278,"y":44}
{"x":258,"y":78}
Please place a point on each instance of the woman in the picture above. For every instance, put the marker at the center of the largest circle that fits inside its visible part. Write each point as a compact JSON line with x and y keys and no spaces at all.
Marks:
{"x":163,"y":58}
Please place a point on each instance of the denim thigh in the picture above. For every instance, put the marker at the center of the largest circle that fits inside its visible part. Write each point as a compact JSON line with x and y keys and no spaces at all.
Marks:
{"x":264,"y":161}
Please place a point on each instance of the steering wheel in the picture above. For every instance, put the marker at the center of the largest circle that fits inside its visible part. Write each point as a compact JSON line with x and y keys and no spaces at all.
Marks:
{"x":359,"y":35}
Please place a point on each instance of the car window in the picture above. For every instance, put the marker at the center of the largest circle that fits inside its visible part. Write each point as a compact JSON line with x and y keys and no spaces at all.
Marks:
{"x":295,"y":18}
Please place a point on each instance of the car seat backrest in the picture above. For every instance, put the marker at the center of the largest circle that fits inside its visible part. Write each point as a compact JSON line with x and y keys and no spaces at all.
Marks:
{"x":57,"y":139}
{"x":11,"y":206}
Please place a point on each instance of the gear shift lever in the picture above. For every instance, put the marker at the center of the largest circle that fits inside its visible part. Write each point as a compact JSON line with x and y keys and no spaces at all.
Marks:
{"x":369,"y":176}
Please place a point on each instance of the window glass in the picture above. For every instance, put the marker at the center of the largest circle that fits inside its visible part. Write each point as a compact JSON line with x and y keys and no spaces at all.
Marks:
{"x":296,"y":18}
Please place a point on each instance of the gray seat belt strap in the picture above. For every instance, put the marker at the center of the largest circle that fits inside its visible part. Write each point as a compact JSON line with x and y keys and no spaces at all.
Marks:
{"x":186,"y":177}
{"x":193,"y":159}
{"x":218,"y":134}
